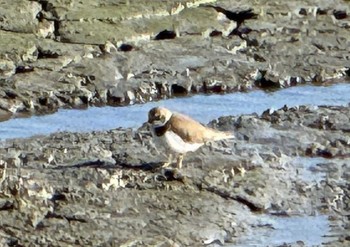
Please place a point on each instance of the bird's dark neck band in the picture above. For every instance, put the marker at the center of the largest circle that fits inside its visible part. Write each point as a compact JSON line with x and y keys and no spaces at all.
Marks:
{"x":160,"y":131}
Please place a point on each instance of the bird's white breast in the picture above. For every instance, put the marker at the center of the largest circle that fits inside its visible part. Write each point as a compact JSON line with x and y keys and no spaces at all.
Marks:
{"x":178,"y":145}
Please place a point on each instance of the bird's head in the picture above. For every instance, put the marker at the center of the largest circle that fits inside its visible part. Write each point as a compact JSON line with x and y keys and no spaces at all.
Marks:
{"x":159,"y":116}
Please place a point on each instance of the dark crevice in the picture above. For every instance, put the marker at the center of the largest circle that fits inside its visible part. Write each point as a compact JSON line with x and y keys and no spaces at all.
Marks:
{"x":215,"y":33}
{"x":84,"y":99}
{"x":89,"y":164}
{"x":317,"y":78}
{"x":8,"y":205}
{"x":46,"y":5}
{"x":165,"y":34}
{"x":58,"y":197}
{"x":226,"y":195}
{"x":40,"y":16}
{"x":11,"y":94}
{"x":302,"y":11}
{"x":43,"y":101}
{"x":69,"y":218}
{"x":321,"y":11}
{"x":24,"y":69}
{"x":178,"y":90}
{"x":347,"y":72}
{"x":214,"y":89}
{"x":319,"y":46}
{"x":266,"y":83}
{"x":250,"y":205}
{"x":293,"y":81}
{"x":340,"y":14}
{"x":57,"y":28}
{"x":258,"y":58}
{"x":115,"y":101}
{"x":170,"y":175}
{"x":151,"y":166}
{"x":125,"y":47}
{"x":324,"y":153}
{"x":46,"y":54}
{"x":13,"y":242}
{"x":263,"y":83}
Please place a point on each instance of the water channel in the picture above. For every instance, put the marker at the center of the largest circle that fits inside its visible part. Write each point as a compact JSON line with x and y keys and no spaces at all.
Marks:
{"x":201,"y":107}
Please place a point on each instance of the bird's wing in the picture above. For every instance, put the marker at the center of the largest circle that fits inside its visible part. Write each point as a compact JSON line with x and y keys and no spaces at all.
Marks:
{"x":194,"y":132}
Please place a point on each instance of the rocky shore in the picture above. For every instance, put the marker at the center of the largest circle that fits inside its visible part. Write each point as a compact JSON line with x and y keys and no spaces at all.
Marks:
{"x":108,"y":189}
{"x":74,"y":54}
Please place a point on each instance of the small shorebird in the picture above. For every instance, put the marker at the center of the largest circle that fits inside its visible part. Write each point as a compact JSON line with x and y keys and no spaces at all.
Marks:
{"x":180,"y":134}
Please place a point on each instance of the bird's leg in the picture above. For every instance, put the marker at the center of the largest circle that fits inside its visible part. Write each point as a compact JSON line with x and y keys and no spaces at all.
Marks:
{"x":179,"y":161}
{"x":170,"y":159}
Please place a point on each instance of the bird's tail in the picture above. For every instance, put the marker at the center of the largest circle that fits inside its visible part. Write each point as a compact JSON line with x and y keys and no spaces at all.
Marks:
{"x":216,"y":135}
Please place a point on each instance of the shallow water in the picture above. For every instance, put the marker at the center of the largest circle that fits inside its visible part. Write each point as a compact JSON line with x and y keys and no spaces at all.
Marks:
{"x":201,"y":107}
{"x":317,"y":169}
{"x":276,"y":231}
{"x":307,"y":167}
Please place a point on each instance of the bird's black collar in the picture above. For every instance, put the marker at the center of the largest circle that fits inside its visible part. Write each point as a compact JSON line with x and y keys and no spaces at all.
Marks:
{"x":160,"y":131}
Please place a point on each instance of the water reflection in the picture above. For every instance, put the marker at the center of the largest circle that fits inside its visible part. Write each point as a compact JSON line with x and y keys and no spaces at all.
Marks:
{"x":282,"y":231}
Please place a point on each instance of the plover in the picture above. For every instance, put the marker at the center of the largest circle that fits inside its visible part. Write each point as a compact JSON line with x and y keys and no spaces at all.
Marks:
{"x":180,"y":134}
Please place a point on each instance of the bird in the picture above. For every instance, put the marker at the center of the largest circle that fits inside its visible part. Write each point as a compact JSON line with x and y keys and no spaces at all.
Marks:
{"x":180,"y":134}
{"x":239,"y":16}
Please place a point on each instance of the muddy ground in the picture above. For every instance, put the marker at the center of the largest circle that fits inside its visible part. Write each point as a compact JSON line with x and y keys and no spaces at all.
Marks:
{"x":108,"y":189}
{"x":57,"y":53}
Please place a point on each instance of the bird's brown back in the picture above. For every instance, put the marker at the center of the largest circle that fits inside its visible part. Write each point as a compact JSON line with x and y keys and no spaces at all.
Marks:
{"x":194,"y":132}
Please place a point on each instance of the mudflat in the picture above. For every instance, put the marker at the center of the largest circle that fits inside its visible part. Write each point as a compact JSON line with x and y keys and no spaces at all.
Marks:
{"x":109,"y":189}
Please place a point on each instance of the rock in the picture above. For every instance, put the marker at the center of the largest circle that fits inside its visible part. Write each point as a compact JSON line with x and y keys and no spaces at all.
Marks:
{"x":6,"y":205}
{"x":31,"y":54}
{"x":46,"y":29}
{"x":215,"y":48}
{"x":130,"y":97}
{"x":7,"y":68}
{"x":28,"y":11}
{"x":12,"y":105}
{"x":76,"y":54}
{"x":109,"y":182}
